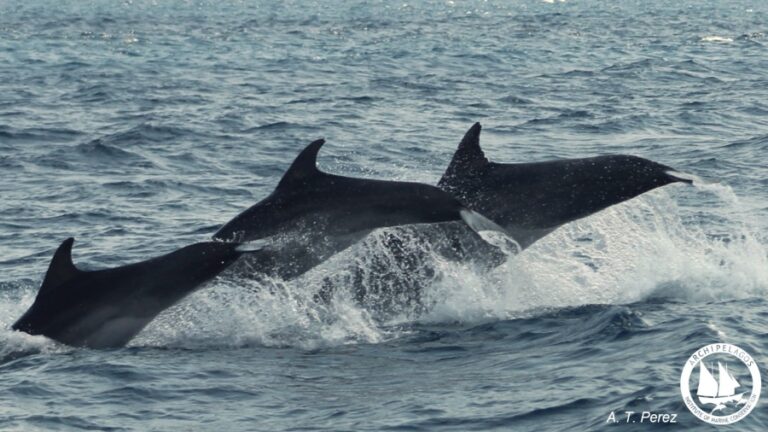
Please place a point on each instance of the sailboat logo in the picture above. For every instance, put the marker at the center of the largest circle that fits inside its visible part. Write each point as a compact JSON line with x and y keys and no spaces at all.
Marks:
{"x":719,"y":392}
{"x":728,"y":398}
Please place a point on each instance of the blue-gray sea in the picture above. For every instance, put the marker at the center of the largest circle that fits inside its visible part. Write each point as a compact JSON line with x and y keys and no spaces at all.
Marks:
{"x":141,"y":126}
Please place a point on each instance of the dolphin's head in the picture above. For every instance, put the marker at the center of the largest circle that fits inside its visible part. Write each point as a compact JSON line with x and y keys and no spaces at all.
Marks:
{"x":106,"y":308}
{"x":61,"y":271}
{"x":565,"y":190}
{"x":28,"y":322}
{"x":628,"y":176}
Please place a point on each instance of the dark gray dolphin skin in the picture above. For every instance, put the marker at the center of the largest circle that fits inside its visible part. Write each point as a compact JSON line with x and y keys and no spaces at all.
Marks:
{"x":107,"y":308}
{"x":530,"y":200}
{"x":312,"y":215}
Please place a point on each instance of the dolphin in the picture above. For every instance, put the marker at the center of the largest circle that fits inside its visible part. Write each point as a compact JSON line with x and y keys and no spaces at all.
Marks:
{"x":312,"y":215}
{"x":530,"y":200}
{"x":107,"y":308}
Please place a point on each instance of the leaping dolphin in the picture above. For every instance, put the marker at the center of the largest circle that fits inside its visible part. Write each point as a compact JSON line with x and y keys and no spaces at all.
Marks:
{"x":530,"y":200}
{"x":312,"y":215}
{"x":107,"y":308}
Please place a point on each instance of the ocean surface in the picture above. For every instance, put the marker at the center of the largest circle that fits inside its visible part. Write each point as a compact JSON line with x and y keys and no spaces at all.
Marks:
{"x":141,"y":126}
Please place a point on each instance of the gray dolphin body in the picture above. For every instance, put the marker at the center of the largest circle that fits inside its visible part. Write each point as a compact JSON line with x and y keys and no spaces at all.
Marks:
{"x":107,"y":308}
{"x":530,"y":200}
{"x":312,"y":215}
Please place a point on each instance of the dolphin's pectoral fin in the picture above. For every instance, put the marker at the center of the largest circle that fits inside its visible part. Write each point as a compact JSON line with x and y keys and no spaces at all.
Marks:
{"x":61,"y":268}
{"x":478,"y":222}
{"x":253,"y":246}
{"x":677,"y":176}
{"x":490,"y":231}
{"x":303,"y":167}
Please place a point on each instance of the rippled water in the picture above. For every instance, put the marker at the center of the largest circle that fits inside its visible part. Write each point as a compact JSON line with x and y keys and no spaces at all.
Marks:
{"x":141,"y":126}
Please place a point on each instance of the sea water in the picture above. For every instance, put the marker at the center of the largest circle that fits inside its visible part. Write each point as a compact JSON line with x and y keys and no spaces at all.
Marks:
{"x":141,"y":126}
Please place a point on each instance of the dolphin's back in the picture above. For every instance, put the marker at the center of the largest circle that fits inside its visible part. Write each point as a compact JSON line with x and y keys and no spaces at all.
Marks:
{"x":313,"y":215}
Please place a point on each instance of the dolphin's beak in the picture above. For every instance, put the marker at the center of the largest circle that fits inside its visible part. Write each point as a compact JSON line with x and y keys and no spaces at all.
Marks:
{"x":22,"y":324}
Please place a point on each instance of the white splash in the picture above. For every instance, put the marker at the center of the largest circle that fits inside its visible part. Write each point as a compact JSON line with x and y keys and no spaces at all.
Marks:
{"x":240,"y":312}
{"x":630,"y":252}
{"x":716,"y":39}
{"x":647,"y":247}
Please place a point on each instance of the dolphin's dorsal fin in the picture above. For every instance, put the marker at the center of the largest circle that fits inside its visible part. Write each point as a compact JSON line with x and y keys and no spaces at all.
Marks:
{"x":469,"y":156}
{"x":61,"y":268}
{"x":304,"y":167}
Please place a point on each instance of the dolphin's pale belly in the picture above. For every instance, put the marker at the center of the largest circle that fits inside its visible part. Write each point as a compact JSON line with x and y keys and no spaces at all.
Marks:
{"x":110,"y":333}
{"x":288,"y":257}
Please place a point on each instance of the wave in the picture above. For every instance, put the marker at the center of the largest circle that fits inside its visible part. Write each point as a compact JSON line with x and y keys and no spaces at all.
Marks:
{"x":38,"y":134}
